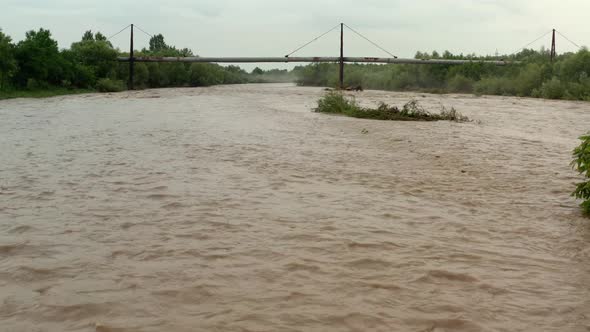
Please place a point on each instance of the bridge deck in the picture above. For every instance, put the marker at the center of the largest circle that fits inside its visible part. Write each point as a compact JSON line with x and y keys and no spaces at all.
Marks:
{"x":313,"y":59}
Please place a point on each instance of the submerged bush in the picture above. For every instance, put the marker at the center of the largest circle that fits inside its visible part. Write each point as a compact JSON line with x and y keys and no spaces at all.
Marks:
{"x":581,"y":163}
{"x":336,"y":103}
{"x":108,"y":85}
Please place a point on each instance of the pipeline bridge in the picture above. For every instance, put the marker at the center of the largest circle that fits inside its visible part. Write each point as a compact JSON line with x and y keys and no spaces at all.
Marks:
{"x":131,"y":59}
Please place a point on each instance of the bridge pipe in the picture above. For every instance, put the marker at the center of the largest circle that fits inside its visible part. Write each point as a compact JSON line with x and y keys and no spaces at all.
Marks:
{"x":314,"y":59}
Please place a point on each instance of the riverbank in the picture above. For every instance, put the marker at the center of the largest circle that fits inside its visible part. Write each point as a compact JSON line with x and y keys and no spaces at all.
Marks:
{"x":63,"y":92}
{"x":42,"y":93}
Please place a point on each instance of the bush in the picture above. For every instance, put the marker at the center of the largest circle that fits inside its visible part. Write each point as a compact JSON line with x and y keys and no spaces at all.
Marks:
{"x":142,"y":75}
{"x":33,"y":84}
{"x":495,"y":86}
{"x":83,"y":76}
{"x":581,"y":163}
{"x":205,"y":74}
{"x":529,"y":79}
{"x":460,"y":83}
{"x":336,"y":103}
{"x":108,"y":85}
{"x":553,"y":89}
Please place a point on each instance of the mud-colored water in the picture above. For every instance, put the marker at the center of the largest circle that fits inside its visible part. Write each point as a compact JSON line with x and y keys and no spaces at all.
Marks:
{"x":236,"y":208}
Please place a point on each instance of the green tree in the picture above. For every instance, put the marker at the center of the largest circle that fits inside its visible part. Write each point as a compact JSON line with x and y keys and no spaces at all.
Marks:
{"x":76,"y":74}
{"x":7,"y":60}
{"x":38,"y":60}
{"x":157,"y":43}
{"x":100,"y":36}
{"x":185,"y":52}
{"x":88,"y":36}
{"x":529,"y":78}
{"x":205,"y":74}
{"x":257,"y":71}
{"x":141,"y":77}
{"x":233,"y":74}
{"x":97,"y":54}
{"x":420,"y":55}
{"x":174,"y":74}
{"x":154,"y":79}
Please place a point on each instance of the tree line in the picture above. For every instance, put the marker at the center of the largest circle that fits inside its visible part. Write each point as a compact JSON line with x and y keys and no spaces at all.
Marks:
{"x":38,"y":64}
{"x":535,"y":75}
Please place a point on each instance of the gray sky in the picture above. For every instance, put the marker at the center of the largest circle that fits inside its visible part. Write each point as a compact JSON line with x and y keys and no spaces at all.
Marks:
{"x":274,"y":28}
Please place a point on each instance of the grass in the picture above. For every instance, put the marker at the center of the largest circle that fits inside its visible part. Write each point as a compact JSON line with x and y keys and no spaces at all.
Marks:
{"x":337,"y":103}
{"x":41,"y":93}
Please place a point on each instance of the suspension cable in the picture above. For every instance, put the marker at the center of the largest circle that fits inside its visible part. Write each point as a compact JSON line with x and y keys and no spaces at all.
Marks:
{"x":527,"y":45}
{"x":140,"y":29}
{"x":561,"y":34}
{"x":316,"y":38}
{"x":367,"y":39}
{"x":119,"y":32}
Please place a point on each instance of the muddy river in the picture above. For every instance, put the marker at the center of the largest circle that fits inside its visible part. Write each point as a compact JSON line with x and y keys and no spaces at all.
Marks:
{"x":236,"y":208}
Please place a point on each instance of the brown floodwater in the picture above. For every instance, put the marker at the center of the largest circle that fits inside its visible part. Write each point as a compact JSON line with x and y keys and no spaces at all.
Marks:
{"x":236,"y":208}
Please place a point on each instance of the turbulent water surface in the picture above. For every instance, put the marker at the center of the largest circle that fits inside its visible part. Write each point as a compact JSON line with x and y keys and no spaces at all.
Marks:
{"x":236,"y":208}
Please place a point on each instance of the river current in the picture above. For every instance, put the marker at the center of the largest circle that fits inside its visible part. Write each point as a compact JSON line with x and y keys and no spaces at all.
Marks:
{"x":236,"y":208}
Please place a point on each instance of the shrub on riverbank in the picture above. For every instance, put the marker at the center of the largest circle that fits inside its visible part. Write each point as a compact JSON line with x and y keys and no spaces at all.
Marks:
{"x":108,"y":85}
{"x":581,"y":163}
{"x":337,"y":103}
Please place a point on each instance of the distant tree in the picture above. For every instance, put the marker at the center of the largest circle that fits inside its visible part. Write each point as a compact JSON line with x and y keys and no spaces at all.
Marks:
{"x":142,"y":74}
{"x":185,"y":52}
{"x":575,"y":65}
{"x":7,"y":60}
{"x":76,"y":74}
{"x":154,"y":79}
{"x":257,"y":71}
{"x":205,"y":74}
{"x":175,"y":74}
{"x":99,"y":37}
{"x":88,"y":35}
{"x":157,"y":43}
{"x":97,"y":54}
{"x":38,"y":59}
{"x":234,"y":75}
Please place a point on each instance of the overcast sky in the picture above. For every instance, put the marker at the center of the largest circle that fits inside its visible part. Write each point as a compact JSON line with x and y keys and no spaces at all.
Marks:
{"x":274,"y":27}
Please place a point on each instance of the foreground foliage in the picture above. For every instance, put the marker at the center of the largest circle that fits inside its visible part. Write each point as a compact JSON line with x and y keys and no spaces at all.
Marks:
{"x":581,"y":163}
{"x":337,"y":103}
